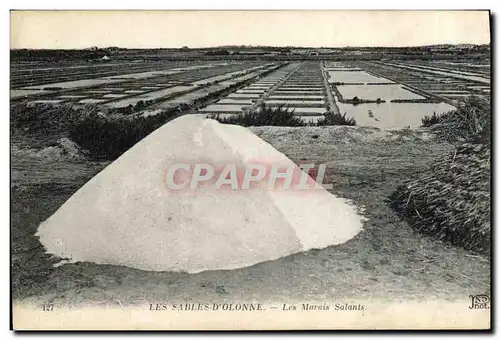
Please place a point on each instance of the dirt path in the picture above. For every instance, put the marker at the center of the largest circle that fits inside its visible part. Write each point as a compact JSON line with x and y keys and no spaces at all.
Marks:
{"x":386,"y":260}
{"x":329,"y":95}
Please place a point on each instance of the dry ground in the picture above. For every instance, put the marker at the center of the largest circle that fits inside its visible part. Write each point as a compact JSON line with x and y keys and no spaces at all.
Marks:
{"x":386,"y":260}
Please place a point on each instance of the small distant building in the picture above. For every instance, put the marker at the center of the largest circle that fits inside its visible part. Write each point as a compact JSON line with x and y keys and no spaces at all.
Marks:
{"x":105,"y":58}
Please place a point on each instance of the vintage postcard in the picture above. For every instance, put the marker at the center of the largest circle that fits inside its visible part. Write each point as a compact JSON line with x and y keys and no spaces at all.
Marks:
{"x":250,"y":170}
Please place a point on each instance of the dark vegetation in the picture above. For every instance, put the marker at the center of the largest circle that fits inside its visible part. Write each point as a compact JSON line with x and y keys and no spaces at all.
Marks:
{"x":471,"y":121}
{"x":420,"y":100}
{"x":57,"y":55}
{"x":104,"y":136}
{"x":428,"y":121}
{"x":450,"y":52}
{"x":336,"y":119}
{"x":451,"y":200}
{"x":45,"y":120}
{"x":107,"y":137}
{"x":356,"y":101}
{"x":265,"y":116}
{"x":218,"y":52}
{"x":280,"y":116}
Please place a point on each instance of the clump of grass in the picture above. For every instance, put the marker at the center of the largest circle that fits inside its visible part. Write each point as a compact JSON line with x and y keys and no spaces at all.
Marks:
{"x":470,"y":122}
{"x":452,"y":199}
{"x":431,"y":120}
{"x":107,"y":137}
{"x":280,"y":116}
{"x":264,"y":116}
{"x":46,"y":117}
{"x":335,"y":119}
{"x":103,"y":135}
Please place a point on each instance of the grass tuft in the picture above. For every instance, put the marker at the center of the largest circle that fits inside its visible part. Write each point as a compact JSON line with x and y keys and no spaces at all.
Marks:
{"x":264,"y":116}
{"x":107,"y":137}
{"x":280,"y":116}
{"x":470,"y":122}
{"x":335,"y":119}
{"x":104,"y":135}
{"x":46,"y":117}
{"x":428,"y":121}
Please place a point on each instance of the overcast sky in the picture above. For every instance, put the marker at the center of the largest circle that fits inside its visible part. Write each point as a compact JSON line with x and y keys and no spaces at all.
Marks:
{"x":151,"y":29}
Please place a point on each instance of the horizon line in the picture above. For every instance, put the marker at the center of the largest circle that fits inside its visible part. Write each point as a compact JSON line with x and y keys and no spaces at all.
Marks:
{"x":248,"y":46}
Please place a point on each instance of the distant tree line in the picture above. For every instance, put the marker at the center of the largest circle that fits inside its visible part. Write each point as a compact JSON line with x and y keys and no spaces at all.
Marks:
{"x":470,"y":52}
{"x":55,"y":55}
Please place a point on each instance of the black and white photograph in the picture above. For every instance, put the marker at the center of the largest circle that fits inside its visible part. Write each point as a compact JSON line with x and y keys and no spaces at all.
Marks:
{"x":250,"y":169}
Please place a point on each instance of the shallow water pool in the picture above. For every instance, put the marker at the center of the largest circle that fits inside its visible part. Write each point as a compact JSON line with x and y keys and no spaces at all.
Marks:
{"x":392,"y":115}
{"x":372,"y":92}
{"x":355,"y":77}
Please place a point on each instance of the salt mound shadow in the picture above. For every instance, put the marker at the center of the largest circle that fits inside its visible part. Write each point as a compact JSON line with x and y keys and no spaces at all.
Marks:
{"x":126,"y":216}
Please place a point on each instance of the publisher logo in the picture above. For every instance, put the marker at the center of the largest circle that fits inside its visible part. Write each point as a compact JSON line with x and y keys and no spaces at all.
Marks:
{"x":481,"y":301}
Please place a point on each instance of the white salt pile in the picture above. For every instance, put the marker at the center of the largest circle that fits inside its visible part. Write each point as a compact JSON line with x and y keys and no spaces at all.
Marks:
{"x":127,"y":216}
